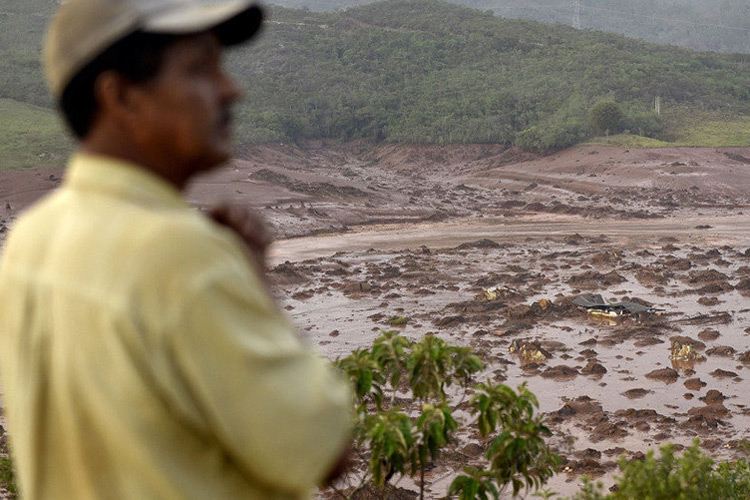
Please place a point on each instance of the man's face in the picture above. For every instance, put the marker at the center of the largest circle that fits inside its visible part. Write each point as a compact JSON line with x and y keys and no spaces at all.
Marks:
{"x":184,"y":116}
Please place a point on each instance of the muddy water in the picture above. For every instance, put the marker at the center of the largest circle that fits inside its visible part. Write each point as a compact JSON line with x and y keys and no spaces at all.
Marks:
{"x":538,"y":258}
{"x":733,"y":230}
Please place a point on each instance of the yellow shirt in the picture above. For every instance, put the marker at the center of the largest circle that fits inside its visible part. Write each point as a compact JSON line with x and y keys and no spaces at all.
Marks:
{"x":141,"y":358}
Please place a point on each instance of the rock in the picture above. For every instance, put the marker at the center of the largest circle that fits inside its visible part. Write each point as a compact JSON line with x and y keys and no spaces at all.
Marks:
{"x":701,"y":423}
{"x":450,"y":321}
{"x":483,"y":243}
{"x":615,"y":452}
{"x":560,"y":372}
{"x":633,"y":414}
{"x":707,"y":276}
{"x":713,"y":397}
{"x":719,"y":373}
{"x":594,"y":280}
{"x":563,"y":413}
{"x":649,"y":276}
{"x":636,"y":393}
{"x":608,"y":430}
{"x":588,"y":453}
{"x":717,"y":287}
{"x":709,"y":334}
{"x":710,"y":411}
{"x":711,"y":444}
{"x":473,"y":450}
{"x":708,"y":302}
{"x":722,"y":350}
{"x":356,"y":287}
{"x":372,"y":492}
{"x":594,"y":368}
{"x":694,"y":384}
{"x":666,"y":374}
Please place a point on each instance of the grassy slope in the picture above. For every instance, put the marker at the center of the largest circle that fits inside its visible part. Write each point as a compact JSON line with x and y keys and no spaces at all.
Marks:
{"x":22,"y":24}
{"x":30,"y":136}
{"x":694,"y":129}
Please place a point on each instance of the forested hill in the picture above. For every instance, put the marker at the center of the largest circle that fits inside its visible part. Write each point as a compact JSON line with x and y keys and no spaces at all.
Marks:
{"x":428,"y":71}
{"x":718,"y":25}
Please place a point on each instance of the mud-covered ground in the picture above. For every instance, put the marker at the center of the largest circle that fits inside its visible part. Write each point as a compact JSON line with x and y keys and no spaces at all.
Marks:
{"x":368,"y":232}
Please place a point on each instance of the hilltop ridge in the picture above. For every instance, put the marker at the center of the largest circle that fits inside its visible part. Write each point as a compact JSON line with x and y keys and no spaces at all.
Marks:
{"x":426,"y":71}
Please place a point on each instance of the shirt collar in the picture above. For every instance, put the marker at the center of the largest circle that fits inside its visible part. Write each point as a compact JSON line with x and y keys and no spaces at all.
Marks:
{"x":122,"y":179}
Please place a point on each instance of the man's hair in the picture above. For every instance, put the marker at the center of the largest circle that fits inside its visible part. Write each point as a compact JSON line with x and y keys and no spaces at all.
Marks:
{"x":138,"y":57}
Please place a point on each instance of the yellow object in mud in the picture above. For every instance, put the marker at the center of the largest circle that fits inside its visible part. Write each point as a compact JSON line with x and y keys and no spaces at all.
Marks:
{"x":684,"y":352}
{"x":607,"y":313}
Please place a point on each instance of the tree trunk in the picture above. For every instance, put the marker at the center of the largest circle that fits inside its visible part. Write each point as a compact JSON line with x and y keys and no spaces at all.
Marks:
{"x":421,"y":483}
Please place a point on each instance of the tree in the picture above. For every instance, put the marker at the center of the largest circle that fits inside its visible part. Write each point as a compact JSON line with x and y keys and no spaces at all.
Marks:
{"x":606,"y":117}
{"x":399,"y":440}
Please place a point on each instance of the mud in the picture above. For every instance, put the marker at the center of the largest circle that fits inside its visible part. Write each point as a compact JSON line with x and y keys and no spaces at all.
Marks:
{"x":368,"y":233}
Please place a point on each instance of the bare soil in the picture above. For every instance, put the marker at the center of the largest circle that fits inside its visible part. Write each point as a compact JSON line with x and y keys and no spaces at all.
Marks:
{"x":368,"y":232}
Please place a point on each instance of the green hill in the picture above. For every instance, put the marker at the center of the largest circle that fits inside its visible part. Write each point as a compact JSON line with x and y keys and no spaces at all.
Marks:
{"x":427,"y":71}
{"x":31,"y":136}
{"x":22,"y":24}
{"x":433,"y":72}
{"x":718,"y":25}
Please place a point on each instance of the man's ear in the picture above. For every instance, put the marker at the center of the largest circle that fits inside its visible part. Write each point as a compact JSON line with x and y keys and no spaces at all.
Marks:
{"x":114,"y":96}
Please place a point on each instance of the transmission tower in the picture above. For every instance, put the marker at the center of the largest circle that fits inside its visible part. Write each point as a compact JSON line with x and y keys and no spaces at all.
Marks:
{"x":577,"y":15}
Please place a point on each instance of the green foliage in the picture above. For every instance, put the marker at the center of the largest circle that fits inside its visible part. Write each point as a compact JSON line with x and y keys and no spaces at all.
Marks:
{"x":518,"y":455}
{"x":426,"y":71}
{"x":692,"y":476}
{"x":407,"y":440}
{"x":388,"y":353}
{"x":7,"y":477}
{"x":389,"y":437}
{"x":606,"y":117}
{"x":430,"y":72}
{"x":428,"y":367}
{"x":434,"y":429}
{"x":366,"y":375}
{"x":475,"y":484}
{"x":397,"y":320}
{"x":718,"y":25}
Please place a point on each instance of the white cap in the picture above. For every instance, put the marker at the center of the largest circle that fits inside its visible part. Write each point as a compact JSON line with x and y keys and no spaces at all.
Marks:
{"x":83,"y":29}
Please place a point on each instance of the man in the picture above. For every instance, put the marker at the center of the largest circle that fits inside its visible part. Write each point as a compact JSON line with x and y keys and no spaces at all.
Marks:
{"x":140,"y":355}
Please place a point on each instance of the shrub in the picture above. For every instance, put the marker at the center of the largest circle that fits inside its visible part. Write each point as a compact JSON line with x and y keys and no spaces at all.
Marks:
{"x":693,"y":476}
{"x":606,"y":117}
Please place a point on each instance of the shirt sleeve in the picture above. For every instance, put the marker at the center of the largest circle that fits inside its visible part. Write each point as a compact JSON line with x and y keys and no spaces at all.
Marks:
{"x":279,"y":410}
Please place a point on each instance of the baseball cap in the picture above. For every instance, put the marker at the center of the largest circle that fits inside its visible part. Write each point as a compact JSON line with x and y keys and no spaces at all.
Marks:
{"x":83,"y":29}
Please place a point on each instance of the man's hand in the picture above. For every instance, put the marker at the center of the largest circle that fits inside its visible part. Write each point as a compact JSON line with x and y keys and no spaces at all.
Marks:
{"x":248,"y":225}
{"x":341,"y":467}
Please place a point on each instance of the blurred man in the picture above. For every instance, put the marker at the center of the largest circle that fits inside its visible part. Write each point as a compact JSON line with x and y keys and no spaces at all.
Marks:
{"x":141,"y":357}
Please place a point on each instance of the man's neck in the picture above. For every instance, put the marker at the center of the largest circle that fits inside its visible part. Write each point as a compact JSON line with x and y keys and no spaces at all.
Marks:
{"x":113,"y":145}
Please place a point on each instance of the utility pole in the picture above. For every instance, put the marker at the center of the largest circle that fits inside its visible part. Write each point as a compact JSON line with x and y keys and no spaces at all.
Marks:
{"x":577,"y":15}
